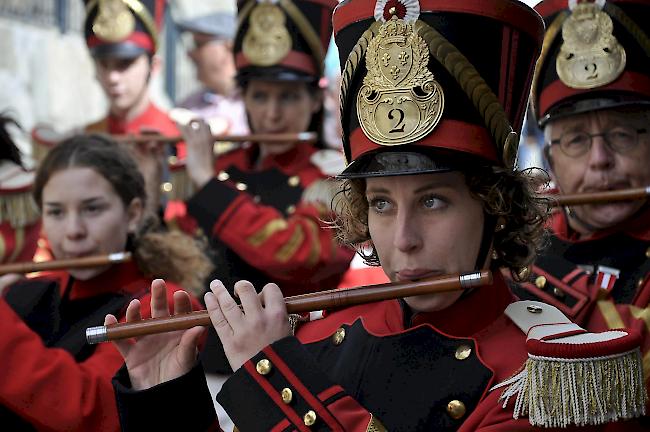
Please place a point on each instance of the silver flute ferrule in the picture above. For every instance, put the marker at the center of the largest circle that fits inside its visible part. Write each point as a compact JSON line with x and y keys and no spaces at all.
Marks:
{"x":95,"y":335}
{"x":470,"y":280}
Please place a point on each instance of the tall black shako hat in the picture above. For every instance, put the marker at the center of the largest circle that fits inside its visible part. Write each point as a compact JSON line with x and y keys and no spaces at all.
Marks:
{"x":123,"y":28}
{"x":282,"y":40}
{"x":450,"y":77}
{"x":596,"y":55}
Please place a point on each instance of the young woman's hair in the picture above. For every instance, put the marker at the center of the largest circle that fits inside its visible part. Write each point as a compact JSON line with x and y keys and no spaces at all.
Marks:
{"x":507,"y":196}
{"x":8,"y":149}
{"x":158,"y":253}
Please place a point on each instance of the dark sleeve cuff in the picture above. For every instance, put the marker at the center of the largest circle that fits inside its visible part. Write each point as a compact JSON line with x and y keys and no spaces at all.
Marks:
{"x":181,"y":404}
{"x":282,"y":384}
{"x":210,"y":202}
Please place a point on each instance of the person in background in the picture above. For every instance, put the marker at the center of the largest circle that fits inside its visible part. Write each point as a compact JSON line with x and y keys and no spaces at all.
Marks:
{"x":93,"y":202}
{"x":219,"y":101}
{"x":591,"y":96}
{"x":123,"y":40}
{"x":264,"y":205}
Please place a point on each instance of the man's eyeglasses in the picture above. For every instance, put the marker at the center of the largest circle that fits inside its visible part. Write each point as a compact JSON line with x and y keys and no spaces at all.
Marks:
{"x":620,"y":139}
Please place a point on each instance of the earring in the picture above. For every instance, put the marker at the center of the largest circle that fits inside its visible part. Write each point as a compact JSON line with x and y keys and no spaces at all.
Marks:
{"x":501,"y":225}
{"x":495,"y":254}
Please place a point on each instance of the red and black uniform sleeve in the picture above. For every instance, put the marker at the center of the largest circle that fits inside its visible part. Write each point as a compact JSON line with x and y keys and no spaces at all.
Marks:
{"x":183,"y":404}
{"x":297,"y":247}
{"x":286,"y":389}
{"x":48,"y":388}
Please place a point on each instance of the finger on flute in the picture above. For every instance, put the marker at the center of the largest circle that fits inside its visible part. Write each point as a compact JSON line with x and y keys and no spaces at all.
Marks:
{"x":297,"y":304}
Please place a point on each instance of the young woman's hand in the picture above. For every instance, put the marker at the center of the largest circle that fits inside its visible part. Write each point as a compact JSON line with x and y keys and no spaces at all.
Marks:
{"x":200,"y":153}
{"x":246,"y":332}
{"x":158,"y":358}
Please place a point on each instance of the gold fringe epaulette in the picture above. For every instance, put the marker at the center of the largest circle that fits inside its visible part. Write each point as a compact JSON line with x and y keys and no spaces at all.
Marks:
{"x":573,"y":377}
{"x":18,"y":208}
{"x":180,"y":186}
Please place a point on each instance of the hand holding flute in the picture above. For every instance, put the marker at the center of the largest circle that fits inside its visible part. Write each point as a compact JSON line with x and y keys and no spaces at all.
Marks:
{"x":244,"y":331}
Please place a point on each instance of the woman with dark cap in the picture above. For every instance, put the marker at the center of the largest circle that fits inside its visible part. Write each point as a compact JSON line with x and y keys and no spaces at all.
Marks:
{"x":265,"y":206}
{"x":430,"y":129}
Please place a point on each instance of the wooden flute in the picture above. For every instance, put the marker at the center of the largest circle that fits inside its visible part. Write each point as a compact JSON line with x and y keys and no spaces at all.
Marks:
{"x":599,"y":197}
{"x":266,"y":138}
{"x":84,"y":262}
{"x":336,"y":298}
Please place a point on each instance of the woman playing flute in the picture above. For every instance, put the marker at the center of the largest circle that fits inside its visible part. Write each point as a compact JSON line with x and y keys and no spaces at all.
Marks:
{"x":92,"y":199}
{"x":264,"y":206}
{"x":440,"y":196}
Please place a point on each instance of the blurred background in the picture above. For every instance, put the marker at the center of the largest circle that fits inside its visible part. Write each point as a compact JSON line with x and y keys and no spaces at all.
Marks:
{"x":48,"y":77}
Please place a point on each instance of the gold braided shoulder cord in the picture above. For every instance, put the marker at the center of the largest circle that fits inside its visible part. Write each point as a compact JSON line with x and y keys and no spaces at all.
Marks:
{"x":475,"y":87}
{"x":307,"y":32}
{"x":146,"y":18}
{"x":631,"y":26}
{"x":549,"y":37}
{"x":352,"y":62}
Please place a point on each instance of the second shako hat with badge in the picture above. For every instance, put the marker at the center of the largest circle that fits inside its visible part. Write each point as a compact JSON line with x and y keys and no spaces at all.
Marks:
{"x":595,"y":56}
{"x":282,"y":40}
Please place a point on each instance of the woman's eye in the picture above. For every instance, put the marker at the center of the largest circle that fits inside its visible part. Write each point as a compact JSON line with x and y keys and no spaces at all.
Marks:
{"x":258,"y":97}
{"x":433,"y":203}
{"x":53,"y":212}
{"x":379,"y":204}
{"x":93,"y":209}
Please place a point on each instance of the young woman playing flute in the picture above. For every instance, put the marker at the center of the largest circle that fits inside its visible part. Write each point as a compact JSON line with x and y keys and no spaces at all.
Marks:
{"x":92,"y":199}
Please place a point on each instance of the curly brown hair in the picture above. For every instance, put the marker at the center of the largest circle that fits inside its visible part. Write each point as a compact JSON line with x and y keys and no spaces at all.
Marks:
{"x":507,"y":196}
{"x":158,"y":253}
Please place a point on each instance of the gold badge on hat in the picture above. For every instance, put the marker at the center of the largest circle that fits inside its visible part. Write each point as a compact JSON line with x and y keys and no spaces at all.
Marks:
{"x":590,"y":55}
{"x":400,"y":102}
{"x":114,"y":21}
{"x":267,"y":40}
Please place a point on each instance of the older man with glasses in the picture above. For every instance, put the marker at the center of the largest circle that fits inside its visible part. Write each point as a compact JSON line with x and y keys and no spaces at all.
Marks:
{"x":219,"y":101}
{"x":591,"y":96}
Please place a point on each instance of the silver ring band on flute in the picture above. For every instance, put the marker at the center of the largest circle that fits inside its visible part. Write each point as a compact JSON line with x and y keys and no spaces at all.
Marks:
{"x":297,"y":304}
{"x":83,"y":262}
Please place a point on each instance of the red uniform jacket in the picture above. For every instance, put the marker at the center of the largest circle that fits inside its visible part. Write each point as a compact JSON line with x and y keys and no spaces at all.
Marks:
{"x":600,"y":283}
{"x":360,"y":368}
{"x":50,"y":379}
{"x":151,"y":118}
{"x":266,"y":221}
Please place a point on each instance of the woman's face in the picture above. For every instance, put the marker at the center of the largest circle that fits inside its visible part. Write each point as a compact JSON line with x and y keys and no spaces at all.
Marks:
{"x":280,"y":107}
{"x":422,"y":226}
{"x":125,"y":81}
{"x":83,"y":215}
